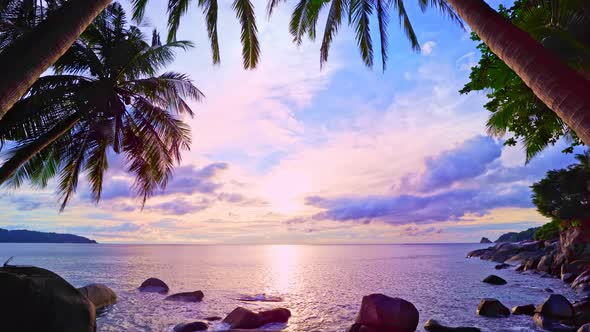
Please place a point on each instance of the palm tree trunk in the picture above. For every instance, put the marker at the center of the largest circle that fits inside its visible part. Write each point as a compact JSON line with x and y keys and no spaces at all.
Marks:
{"x":24,"y":61}
{"x":561,"y":88}
{"x":25,"y":154}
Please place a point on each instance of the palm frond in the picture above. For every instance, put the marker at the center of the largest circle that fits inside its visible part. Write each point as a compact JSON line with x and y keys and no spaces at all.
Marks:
{"x":382,"y":7}
{"x":176,"y":9}
{"x":333,"y":22}
{"x":210,"y":12}
{"x":360,"y":12}
{"x":405,"y":22}
{"x":250,"y":47}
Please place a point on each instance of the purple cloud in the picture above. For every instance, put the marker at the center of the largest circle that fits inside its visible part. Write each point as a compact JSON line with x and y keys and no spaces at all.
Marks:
{"x":180,"y":206}
{"x":469,"y":160}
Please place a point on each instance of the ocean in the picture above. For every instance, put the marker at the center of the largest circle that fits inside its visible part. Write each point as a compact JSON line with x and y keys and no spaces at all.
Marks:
{"x":322,"y":285}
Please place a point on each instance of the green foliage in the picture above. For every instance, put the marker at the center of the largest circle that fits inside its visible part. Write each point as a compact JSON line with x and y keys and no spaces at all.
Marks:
{"x":561,"y":26}
{"x":549,"y":231}
{"x":108,"y":83}
{"x":564,"y":195}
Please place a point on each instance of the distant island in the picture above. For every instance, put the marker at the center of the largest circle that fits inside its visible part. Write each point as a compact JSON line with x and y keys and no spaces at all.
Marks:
{"x":517,"y":237}
{"x":24,"y":236}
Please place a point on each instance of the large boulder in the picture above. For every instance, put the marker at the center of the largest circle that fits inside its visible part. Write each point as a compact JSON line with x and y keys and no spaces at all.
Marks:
{"x":545,"y":263}
{"x":581,"y":280}
{"x":574,"y":243}
{"x":387,"y":314}
{"x":242,"y":318}
{"x":494,"y":280}
{"x":582,"y":311}
{"x":527,"y":309}
{"x":35,"y":299}
{"x":100,"y":295}
{"x":196,"y":296}
{"x":584,"y":328}
{"x":191,"y":327}
{"x":550,"y":324}
{"x":432,"y":325}
{"x":502,"y":266}
{"x":492,"y":308}
{"x":154,"y":285}
{"x":557,"y":307}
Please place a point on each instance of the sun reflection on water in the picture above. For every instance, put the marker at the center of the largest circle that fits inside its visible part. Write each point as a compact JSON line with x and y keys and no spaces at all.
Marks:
{"x":283,"y":260}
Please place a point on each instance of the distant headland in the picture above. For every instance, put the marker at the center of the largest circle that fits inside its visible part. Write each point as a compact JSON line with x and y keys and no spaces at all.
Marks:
{"x":24,"y":236}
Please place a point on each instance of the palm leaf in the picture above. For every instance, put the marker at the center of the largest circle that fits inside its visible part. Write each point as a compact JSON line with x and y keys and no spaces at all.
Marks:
{"x":250,"y":47}
{"x":332,"y":24}
{"x":359,"y":14}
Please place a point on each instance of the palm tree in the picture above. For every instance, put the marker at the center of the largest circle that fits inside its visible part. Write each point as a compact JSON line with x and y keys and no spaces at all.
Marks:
{"x":104,"y":98}
{"x":22,"y":62}
{"x":561,"y":27}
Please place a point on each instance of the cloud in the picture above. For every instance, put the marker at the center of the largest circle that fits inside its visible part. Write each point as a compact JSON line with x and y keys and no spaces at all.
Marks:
{"x":180,"y":206}
{"x":428,"y":47}
{"x":416,"y":231}
{"x":470,"y":159}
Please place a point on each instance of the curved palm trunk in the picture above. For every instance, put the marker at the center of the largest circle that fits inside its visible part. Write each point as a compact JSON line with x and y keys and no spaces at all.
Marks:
{"x":23,"y":62}
{"x":23,"y":155}
{"x":562,"y":89}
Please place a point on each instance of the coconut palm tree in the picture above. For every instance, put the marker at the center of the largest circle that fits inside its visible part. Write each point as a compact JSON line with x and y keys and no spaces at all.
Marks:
{"x":104,"y":98}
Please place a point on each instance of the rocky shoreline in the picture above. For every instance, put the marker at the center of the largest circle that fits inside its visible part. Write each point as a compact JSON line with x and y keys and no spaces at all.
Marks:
{"x":567,"y":258}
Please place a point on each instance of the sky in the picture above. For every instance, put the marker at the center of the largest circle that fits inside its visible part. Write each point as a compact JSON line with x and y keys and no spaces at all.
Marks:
{"x":290,"y":153}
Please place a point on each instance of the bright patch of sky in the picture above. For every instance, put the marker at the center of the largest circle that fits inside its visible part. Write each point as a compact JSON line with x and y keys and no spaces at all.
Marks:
{"x":289,"y":153}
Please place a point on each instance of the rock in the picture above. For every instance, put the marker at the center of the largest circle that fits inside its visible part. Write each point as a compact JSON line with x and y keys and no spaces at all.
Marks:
{"x":576,"y":267}
{"x":584,"y":328}
{"x":494,"y":280}
{"x":99,"y":294}
{"x":502,"y":266}
{"x":520,"y":268}
{"x":386,"y":313}
{"x":557,"y":307}
{"x":485,"y":240}
{"x":524,"y":257}
{"x":550,"y":324}
{"x":35,"y":299}
{"x":278,"y":315}
{"x":196,"y":296}
{"x":545,"y":262}
{"x":492,"y":308}
{"x":190,"y":327}
{"x":568,"y":277}
{"x":241,"y":318}
{"x":432,"y":325}
{"x":212,"y":318}
{"x":527,"y":309}
{"x":582,"y":312}
{"x":549,"y":290}
{"x":581,"y":279}
{"x":154,"y":285}
{"x":574,"y":244}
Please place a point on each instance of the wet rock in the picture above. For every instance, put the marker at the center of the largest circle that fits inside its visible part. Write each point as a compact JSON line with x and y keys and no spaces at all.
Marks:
{"x":582,"y":279}
{"x":549,"y":324}
{"x":196,"y":296}
{"x":520,"y":268}
{"x":432,"y":325}
{"x":241,"y":318}
{"x":549,"y":290}
{"x":494,"y":280}
{"x":557,"y":307}
{"x":526,"y":257}
{"x":527,"y":309}
{"x":576,"y":267}
{"x":278,"y":315}
{"x":584,"y":328}
{"x":492,"y":308}
{"x":386,"y":313}
{"x":100,"y":295}
{"x":35,"y":299}
{"x":191,"y":327}
{"x":502,"y":266}
{"x":154,"y":285}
